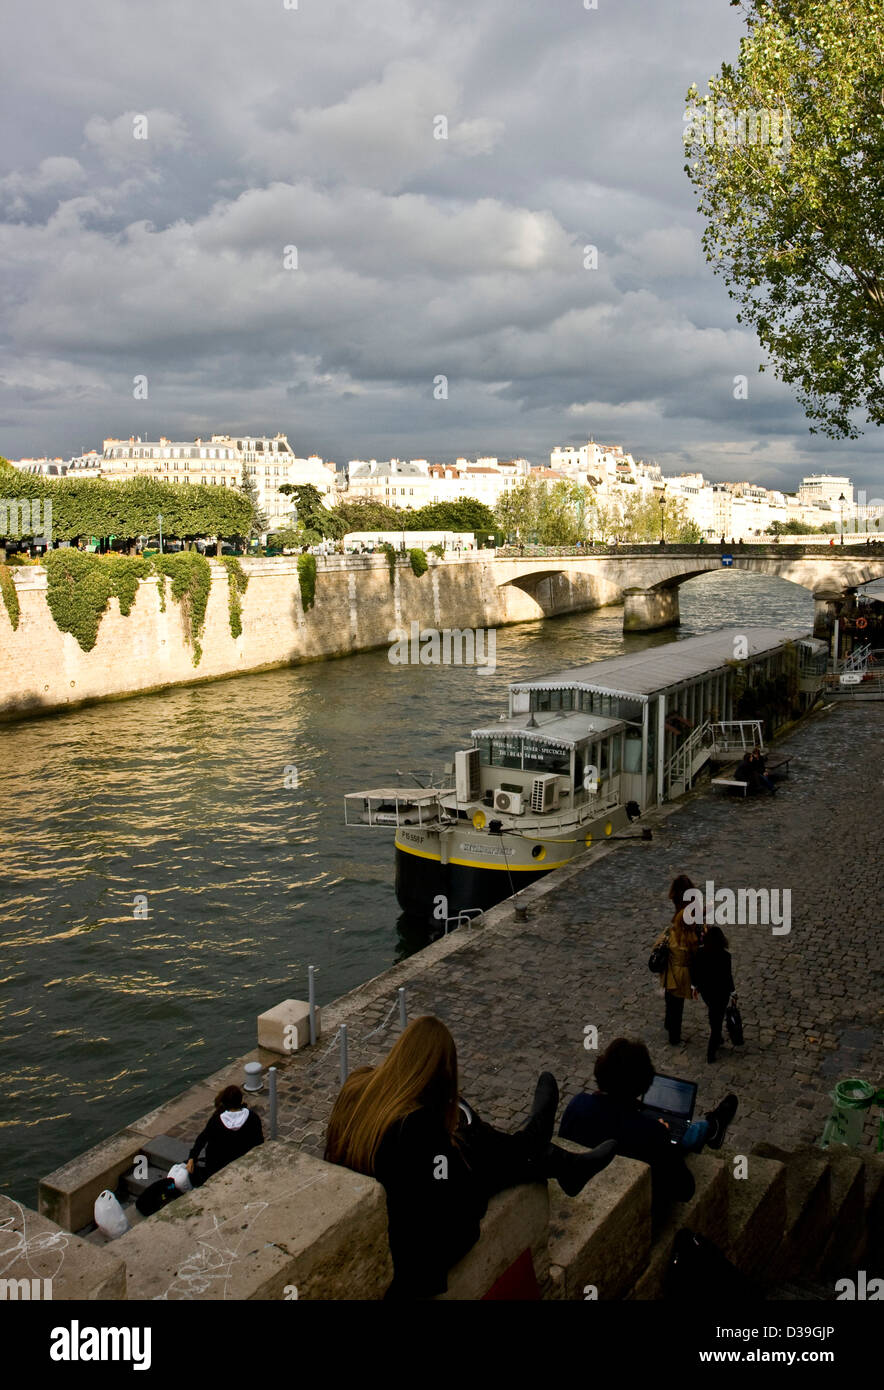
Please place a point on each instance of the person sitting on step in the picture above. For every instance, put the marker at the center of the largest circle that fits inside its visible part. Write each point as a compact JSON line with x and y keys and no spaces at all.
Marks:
{"x":232,"y":1130}
{"x":404,"y":1123}
{"x":623,"y":1073}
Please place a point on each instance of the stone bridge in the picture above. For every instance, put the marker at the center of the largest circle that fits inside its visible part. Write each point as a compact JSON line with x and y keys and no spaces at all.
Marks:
{"x":646,"y":579}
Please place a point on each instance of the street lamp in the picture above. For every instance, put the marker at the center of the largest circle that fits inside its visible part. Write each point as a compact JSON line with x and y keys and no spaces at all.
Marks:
{"x":160,"y":520}
{"x":662,"y":500}
{"x":842,"y":499}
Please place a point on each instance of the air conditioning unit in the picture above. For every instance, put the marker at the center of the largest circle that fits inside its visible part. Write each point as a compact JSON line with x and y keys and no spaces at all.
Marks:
{"x":511,"y":802}
{"x":466,"y":775}
{"x":545,"y":793}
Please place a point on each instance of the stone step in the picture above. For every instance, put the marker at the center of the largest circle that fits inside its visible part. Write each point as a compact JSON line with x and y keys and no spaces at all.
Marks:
{"x":839,"y":1253}
{"x":872,"y":1246}
{"x":135,"y":1186}
{"x":756,"y":1215}
{"x":808,"y":1209}
{"x":600,"y":1240}
{"x":705,"y":1213}
{"x":162,"y":1151}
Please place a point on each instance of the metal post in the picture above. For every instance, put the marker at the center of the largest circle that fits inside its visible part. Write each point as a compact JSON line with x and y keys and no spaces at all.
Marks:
{"x":271,"y":1083}
{"x":403,"y":1008}
{"x":345,"y":1061}
{"x":311,"y":996}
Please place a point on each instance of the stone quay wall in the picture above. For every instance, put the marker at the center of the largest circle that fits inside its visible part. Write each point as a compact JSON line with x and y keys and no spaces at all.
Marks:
{"x":43,"y":670}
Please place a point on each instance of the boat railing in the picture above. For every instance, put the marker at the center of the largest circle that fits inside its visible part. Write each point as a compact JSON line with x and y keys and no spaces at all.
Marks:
{"x":383,"y":807}
{"x":857,"y":661}
{"x":737,"y":735}
{"x":680,"y":767}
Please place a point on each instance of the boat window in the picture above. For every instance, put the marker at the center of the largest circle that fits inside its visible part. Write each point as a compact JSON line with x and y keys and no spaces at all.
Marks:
{"x":542,"y":757}
{"x":632,"y":751}
{"x":505,"y":750}
{"x":603,"y":758}
{"x":616,"y":754}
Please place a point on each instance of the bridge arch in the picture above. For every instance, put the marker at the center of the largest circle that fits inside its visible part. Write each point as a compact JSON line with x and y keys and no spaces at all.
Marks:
{"x":647,"y":580}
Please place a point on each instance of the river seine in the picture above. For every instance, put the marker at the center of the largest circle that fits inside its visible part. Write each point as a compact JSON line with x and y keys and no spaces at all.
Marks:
{"x":183,"y":805}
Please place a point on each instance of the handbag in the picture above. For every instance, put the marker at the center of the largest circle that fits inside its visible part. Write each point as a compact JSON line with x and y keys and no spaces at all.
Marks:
{"x":659,"y":957}
{"x":733,"y":1020}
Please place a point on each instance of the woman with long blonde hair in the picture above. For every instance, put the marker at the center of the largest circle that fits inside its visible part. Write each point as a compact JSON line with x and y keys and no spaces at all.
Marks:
{"x":404,"y":1124}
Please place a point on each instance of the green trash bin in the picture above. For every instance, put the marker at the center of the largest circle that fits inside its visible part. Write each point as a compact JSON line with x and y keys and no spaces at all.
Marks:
{"x":852,"y":1100}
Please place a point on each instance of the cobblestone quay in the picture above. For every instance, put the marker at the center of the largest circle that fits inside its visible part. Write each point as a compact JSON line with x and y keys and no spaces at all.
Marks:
{"x":518,"y":995}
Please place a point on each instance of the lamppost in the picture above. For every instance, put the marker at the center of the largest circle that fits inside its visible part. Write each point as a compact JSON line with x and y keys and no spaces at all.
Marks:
{"x":662,"y":500}
{"x":842,"y":499}
{"x":160,"y":520}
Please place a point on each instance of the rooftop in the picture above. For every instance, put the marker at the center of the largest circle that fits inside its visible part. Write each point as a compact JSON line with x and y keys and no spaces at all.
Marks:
{"x":641,"y":674}
{"x":563,"y":729}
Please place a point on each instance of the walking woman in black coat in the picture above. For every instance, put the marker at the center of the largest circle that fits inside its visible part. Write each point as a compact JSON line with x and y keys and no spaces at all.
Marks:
{"x":404,"y":1124}
{"x":712,"y":977}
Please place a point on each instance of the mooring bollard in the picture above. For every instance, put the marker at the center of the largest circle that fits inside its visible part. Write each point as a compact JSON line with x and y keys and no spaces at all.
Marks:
{"x":311,"y":997}
{"x":271,"y":1087}
{"x":345,"y":1062}
{"x":254,"y":1077}
{"x":403,"y":1008}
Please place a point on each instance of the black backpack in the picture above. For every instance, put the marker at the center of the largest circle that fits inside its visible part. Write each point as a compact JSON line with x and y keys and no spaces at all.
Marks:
{"x":159,"y":1194}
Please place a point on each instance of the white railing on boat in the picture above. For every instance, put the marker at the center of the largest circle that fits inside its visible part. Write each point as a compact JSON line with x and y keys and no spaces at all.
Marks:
{"x":737,"y":735}
{"x":724,"y":738}
{"x":382,"y":807}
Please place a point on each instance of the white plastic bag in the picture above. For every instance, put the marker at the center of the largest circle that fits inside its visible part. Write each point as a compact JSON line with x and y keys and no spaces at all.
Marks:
{"x":180,"y":1176}
{"x":110,"y":1218}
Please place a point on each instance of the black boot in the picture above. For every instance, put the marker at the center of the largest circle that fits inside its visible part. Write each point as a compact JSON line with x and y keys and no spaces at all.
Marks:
{"x":541,"y":1122}
{"x":573,"y":1171}
{"x":719,"y":1119}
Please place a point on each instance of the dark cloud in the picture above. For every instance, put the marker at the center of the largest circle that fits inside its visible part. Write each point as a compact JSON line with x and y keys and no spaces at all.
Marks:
{"x":269,"y":128}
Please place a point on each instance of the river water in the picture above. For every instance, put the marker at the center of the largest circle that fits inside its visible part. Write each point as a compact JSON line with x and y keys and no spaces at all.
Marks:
{"x":180,"y":804}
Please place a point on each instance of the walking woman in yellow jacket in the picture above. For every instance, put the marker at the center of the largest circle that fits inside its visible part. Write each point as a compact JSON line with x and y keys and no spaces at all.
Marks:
{"x":683,"y":940}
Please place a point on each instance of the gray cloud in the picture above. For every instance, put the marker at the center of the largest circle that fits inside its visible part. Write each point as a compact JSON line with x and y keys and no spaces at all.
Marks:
{"x":270,"y":128}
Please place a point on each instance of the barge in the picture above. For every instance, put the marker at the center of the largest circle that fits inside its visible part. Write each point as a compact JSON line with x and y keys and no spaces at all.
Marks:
{"x":579,"y":755}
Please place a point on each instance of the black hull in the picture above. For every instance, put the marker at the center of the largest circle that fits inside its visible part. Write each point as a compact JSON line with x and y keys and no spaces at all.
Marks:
{"x":421,"y":882}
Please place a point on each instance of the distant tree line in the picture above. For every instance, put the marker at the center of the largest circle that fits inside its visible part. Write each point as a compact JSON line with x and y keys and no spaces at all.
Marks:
{"x":83,"y":508}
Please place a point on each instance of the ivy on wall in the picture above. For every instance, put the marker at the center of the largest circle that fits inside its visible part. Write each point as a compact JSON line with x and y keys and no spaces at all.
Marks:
{"x":80,"y":586}
{"x":191,"y":576}
{"x":237,"y":583}
{"x":78,"y":592}
{"x":307,"y":580}
{"x":419,"y":562}
{"x":10,"y":597}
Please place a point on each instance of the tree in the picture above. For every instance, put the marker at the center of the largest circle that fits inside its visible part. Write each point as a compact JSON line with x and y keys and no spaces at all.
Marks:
{"x":466,"y":514}
{"x":365,"y":514}
{"x":787,"y":154}
{"x":312,"y":513}
{"x":87,"y":507}
{"x":258,"y":522}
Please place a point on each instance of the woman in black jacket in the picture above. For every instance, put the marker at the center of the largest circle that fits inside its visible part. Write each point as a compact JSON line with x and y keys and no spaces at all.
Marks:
{"x":439,"y":1163}
{"x":712,"y":977}
{"x":231,"y":1132}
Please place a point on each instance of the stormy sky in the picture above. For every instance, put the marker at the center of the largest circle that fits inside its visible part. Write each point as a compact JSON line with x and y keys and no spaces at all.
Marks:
{"x":314,"y":127}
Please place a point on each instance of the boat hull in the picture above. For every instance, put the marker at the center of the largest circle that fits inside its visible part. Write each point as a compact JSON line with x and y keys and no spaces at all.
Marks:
{"x":432,"y":891}
{"x":440,"y":873}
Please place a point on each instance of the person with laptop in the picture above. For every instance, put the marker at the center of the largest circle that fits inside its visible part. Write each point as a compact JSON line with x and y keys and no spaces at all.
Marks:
{"x":649,"y":1115}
